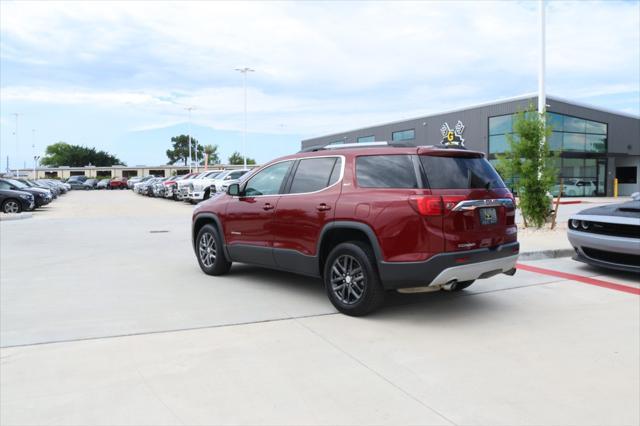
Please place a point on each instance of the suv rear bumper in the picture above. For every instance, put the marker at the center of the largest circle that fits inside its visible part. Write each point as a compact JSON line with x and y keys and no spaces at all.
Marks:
{"x":445,"y":267}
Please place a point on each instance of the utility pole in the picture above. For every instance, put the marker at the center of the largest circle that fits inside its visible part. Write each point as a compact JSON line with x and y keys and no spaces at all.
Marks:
{"x":190,"y":155}
{"x":244,"y":72}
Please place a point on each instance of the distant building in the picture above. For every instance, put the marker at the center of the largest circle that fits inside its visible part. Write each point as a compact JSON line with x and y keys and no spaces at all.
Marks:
{"x":116,"y":171}
{"x":595,"y":145}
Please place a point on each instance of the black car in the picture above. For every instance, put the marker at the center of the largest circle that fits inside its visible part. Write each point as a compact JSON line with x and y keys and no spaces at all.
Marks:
{"x":34,"y":184}
{"x":41,"y":196}
{"x":80,"y":178}
{"x":15,"y":201}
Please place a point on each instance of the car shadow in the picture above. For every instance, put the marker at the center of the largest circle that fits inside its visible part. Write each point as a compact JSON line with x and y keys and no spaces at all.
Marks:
{"x":437,"y":306}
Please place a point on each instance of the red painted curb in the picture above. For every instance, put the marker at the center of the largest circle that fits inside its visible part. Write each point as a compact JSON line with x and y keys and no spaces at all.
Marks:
{"x":580,"y":278}
{"x":570,"y":202}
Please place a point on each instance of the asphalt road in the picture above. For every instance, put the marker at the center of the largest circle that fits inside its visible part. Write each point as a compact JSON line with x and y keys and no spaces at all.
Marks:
{"x":105,"y":318}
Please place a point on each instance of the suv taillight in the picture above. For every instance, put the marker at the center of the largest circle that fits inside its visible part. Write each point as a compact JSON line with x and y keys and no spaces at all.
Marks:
{"x":427,"y":205}
{"x":434,"y":205}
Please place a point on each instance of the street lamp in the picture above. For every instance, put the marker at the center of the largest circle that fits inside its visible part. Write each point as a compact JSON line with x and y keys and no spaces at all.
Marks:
{"x":17,"y":114}
{"x":33,"y":151}
{"x":244,"y":72}
{"x":190,"y":155}
{"x":35,"y":164}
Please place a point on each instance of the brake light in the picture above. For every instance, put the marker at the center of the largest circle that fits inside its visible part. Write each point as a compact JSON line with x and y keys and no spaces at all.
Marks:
{"x":427,"y":205}
{"x":450,"y":201}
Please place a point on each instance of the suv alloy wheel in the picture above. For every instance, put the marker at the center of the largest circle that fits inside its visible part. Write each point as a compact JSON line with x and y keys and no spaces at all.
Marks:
{"x":210,"y":252}
{"x":351,"y":279}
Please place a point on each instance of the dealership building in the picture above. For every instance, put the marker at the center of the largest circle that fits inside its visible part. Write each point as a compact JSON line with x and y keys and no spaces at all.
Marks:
{"x":595,"y":145}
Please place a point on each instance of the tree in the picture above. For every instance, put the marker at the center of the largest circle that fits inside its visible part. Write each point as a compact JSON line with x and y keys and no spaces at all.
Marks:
{"x":212,"y":154}
{"x":64,"y":154}
{"x":531,"y":165}
{"x":236,"y":158}
{"x":180,"y":150}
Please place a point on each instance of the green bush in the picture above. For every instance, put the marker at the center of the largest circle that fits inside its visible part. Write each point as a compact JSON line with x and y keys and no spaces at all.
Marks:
{"x":532,"y":163}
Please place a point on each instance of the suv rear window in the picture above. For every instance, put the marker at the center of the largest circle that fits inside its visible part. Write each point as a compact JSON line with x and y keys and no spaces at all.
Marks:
{"x":460,"y":173}
{"x":386,"y":171}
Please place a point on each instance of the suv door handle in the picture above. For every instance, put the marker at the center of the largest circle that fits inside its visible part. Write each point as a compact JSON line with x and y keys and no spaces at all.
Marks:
{"x":267,"y":206}
{"x":323,"y":207}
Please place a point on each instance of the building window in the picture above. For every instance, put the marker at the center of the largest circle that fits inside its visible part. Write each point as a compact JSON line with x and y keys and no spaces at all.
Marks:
{"x":338,"y":142}
{"x":366,"y":139}
{"x":403,"y":135}
{"x":570,"y":134}
{"x":500,"y":125}
{"x":627,"y":174}
{"x":578,"y":136}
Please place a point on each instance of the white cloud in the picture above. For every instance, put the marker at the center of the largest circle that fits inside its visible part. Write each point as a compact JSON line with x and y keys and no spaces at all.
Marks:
{"x":321,"y":66}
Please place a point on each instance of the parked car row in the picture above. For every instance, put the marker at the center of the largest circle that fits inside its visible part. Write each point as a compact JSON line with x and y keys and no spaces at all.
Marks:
{"x":18,"y":195}
{"x":84,"y":183}
{"x":192,"y":187}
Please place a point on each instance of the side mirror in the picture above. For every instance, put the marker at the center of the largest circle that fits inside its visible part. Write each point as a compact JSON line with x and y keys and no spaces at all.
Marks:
{"x":233,"y":190}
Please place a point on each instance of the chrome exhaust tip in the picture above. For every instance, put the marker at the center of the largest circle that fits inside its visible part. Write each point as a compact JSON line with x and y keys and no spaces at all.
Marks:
{"x":450,"y":285}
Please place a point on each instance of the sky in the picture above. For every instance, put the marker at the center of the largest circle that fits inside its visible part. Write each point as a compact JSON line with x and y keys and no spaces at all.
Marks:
{"x":119,"y":76}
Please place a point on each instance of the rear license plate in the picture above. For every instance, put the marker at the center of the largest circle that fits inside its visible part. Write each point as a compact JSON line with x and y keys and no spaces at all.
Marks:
{"x":488,"y":216}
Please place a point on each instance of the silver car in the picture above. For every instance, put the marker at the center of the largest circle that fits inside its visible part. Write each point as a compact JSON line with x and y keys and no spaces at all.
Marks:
{"x":608,"y":236}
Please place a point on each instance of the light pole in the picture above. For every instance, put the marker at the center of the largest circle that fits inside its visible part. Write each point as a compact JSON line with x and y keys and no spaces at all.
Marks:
{"x":17,"y":114}
{"x":190,"y":155}
{"x":542,"y":101}
{"x":35,"y":164}
{"x":33,"y":151}
{"x":244,"y":72}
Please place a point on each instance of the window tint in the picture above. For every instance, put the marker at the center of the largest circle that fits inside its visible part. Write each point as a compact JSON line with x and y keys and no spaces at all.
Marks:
{"x":386,"y":171}
{"x":16,"y":183}
{"x":460,"y":173}
{"x":335,"y":174}
{"x":313,"y":174}
{"x":268,"y":181}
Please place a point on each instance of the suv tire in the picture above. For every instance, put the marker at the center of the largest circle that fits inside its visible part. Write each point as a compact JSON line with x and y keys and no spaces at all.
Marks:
{"x":351,"y":279}
{"x":210,"y":252}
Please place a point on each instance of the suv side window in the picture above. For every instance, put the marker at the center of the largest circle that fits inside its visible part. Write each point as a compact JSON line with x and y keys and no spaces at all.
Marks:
{"x":314,"y":174}
{"x":268,"y":181}
{"x":386,"y":171}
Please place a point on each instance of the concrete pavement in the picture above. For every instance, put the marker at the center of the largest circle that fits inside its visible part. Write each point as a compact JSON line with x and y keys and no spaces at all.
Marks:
{"x":104,"y":322}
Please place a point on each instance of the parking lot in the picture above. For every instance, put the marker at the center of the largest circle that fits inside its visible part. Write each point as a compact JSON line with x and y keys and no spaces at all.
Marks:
{"x":106,"y":318}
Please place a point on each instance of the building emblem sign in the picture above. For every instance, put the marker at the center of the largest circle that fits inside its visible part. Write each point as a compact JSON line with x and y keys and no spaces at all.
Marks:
{"x":452,"y":137}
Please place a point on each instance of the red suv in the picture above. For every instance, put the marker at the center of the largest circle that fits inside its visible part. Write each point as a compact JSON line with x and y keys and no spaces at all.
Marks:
{"x":365,"y":220}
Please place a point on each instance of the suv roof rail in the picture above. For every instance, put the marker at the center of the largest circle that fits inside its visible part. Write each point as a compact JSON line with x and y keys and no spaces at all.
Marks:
{"x":378,"y":144}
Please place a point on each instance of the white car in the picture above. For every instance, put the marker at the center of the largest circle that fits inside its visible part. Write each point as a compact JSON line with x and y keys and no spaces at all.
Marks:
{"x":577,"y":188}
{"x":184,"y":185}
{"x":202,"y":189}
